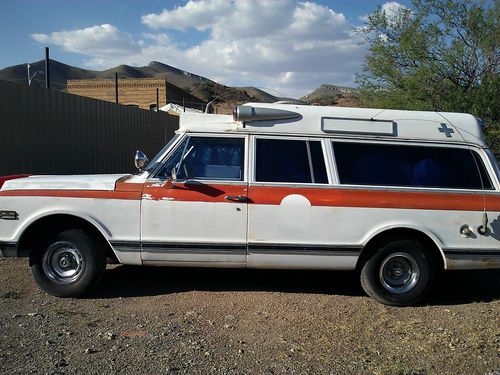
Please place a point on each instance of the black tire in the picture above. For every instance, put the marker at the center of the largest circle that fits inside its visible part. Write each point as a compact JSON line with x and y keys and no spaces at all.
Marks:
{"x":399,"y":273}
{"x":69,"y":265}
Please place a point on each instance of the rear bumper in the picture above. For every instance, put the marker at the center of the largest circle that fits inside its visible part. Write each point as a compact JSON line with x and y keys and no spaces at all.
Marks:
{"x":8,"y":249}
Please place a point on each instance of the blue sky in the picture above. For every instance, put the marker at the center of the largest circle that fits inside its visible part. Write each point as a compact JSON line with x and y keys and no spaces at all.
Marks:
{"x":284,"y":46}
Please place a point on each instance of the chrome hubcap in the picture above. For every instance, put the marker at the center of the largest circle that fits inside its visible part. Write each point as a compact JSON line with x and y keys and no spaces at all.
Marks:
{"x":63,"y":262}
{"x":399,"y":273}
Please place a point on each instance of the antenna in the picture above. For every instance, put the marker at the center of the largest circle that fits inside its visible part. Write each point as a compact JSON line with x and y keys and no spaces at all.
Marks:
{"x":31,"y":77}
{"x":214,"y":99}
{"x":378,"y":113}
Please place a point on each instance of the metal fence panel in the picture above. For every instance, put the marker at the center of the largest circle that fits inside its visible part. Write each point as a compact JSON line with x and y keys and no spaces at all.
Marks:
{"x":51,"y":132}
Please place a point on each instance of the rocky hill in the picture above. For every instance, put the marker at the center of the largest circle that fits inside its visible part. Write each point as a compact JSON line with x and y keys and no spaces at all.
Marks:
{"x":333,"y":95}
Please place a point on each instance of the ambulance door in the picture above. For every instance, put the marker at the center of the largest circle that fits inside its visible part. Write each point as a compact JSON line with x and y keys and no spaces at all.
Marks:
{"x":200,"y":217}
{"x":290,"y":223}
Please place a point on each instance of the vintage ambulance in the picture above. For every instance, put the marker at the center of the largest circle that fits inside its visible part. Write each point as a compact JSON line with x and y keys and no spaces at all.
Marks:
{"x":395,"y":195}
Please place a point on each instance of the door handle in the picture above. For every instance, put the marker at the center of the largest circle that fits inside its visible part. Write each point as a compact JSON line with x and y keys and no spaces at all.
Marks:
{"x":236,"y":198}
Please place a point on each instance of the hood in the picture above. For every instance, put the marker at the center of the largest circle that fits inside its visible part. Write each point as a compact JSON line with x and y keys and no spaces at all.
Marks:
{"x":67,"y":182}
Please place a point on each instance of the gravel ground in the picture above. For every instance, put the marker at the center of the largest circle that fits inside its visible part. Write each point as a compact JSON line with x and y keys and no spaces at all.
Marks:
{"x":212,"y":321}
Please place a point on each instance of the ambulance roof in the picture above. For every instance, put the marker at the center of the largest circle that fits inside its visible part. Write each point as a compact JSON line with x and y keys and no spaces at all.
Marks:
{"x":342,"y":121}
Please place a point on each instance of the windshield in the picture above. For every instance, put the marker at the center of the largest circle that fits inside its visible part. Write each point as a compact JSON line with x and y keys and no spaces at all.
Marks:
{"x":158,"y":158}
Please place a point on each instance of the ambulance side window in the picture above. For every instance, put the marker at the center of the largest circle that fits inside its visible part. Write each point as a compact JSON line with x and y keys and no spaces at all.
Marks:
{"x":410,"y":165}
{"x":282,"y":160}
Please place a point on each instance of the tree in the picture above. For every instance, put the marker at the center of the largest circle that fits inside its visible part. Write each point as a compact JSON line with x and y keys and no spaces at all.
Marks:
{"x":441,"y":55}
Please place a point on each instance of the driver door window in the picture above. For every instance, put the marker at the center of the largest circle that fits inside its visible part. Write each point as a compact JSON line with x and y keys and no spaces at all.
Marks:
{"x":207,"y":158}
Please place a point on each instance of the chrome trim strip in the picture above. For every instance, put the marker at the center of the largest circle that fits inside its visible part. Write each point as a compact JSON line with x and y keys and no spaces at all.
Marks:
{"x":183,"y":263}
{"x":473,"y":257}
{"x":471,"y":252}
{"x":194,"y":245}
{"x":374,"y":188}
{"x":304,"y":249}
{"x":195,"y":248}
{"x":295,"y":245}
{"x":237,"y":248}
{"x":194,"y":251}
{"x":363,"y":137}
{"x":305,"y":252}
{"x":126,"y":246}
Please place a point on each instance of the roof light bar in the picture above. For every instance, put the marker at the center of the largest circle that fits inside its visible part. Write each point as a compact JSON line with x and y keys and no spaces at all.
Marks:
{"x":248,"y":114}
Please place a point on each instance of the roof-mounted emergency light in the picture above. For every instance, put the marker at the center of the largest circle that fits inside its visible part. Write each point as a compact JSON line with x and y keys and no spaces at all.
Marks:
{"x":246,"y":113}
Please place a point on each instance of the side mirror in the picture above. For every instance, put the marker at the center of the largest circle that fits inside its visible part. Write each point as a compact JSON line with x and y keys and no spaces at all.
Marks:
{"x":140,"y":160}
{"x":173,"y":175}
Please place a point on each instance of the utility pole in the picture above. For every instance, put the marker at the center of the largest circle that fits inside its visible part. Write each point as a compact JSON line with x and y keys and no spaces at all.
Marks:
{"x":157,"y":99}
{"x":166,"y":97}
{"x":116,"y":87}
{"x":47,"y":68}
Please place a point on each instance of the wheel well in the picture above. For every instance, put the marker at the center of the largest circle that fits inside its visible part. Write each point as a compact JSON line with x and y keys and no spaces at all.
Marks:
{"x":400,"y":234}
{"x":49,"y":226}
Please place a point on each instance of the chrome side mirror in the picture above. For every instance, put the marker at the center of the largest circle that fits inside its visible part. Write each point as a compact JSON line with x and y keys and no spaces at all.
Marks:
{"x":140,"y":160}
{"x":173,"y":175}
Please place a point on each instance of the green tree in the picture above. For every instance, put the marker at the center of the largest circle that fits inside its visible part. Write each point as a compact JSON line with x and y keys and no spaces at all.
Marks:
{"x":439,"y":55}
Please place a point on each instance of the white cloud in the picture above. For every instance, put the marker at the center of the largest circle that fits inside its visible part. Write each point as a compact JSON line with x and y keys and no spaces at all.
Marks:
{"x":103,"y":40}
{"x":282,"y":45}
{"x":392,"y":8}
{"x":393,"y":13}
{"x":197,"y":14}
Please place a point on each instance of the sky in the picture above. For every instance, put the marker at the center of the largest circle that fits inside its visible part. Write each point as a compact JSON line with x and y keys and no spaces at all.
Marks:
{"x":285,"y":47}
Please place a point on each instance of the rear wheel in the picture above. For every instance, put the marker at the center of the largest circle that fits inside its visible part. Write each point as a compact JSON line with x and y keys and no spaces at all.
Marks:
{"x":69,"y":265}
{"x":400,"y":273}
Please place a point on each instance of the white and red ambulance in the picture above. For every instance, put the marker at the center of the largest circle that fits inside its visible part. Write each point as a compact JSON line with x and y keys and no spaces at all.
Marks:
{"x":395,"y":195}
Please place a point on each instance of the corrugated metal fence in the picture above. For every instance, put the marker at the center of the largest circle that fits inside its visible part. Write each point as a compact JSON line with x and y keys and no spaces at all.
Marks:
{"x":50,"y":132}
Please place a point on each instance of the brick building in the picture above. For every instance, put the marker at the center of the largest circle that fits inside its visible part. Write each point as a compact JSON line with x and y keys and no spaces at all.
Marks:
{"x":137,"y":92}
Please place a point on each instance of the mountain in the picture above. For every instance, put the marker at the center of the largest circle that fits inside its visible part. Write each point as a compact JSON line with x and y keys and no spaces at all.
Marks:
{"x":181,"y":84}
{"x":260,"y":95}
{"x":333,"y":95}
{"x":178,"y":77}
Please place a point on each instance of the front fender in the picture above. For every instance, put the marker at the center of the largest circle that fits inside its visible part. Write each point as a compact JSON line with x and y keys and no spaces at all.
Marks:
{"x":35,"y":217}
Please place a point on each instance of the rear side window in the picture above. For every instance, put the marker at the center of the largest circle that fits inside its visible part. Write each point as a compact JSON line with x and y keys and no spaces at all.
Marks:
{"x":280,"y":160}
{"x":413,"y":166}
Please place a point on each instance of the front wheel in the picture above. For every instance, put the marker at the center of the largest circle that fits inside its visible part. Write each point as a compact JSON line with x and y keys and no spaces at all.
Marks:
{"x":69,"y":265}
{"x":400,"y":273}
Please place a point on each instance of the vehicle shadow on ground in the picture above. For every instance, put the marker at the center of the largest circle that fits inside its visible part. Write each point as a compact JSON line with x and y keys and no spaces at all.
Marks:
{"x":458,"y":287}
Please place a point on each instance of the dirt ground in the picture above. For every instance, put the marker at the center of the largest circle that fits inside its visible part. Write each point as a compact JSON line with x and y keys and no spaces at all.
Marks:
{"x":213,"y":321}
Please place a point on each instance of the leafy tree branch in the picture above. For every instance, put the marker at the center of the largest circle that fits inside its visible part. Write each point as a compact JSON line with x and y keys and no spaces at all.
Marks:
{"x":441,"y":55}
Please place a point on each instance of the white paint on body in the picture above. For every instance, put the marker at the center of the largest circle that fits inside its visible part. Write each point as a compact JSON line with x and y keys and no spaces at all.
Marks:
{"x":66,"y":182}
